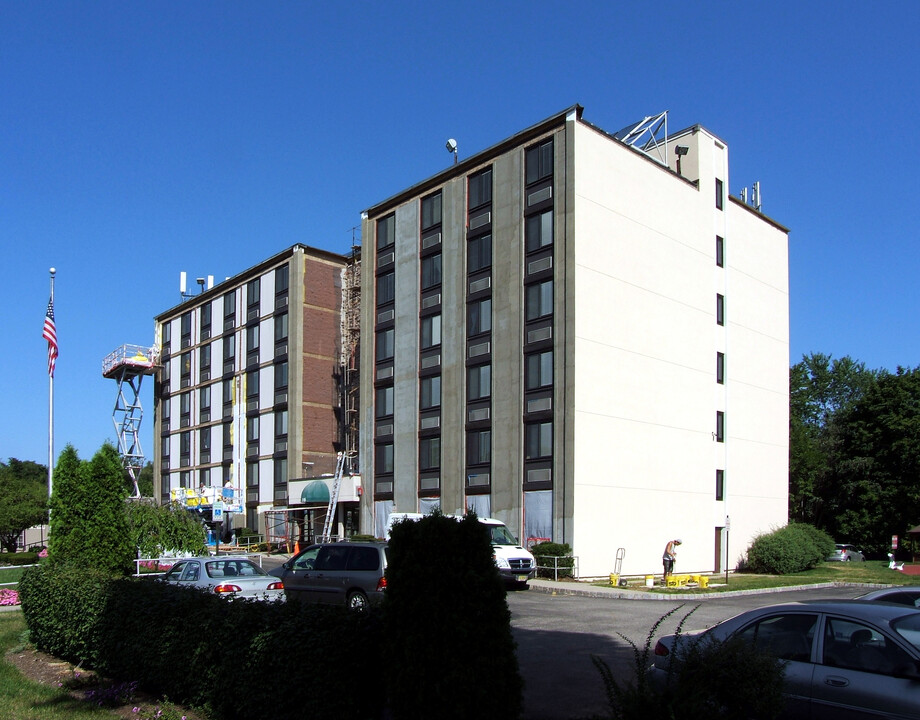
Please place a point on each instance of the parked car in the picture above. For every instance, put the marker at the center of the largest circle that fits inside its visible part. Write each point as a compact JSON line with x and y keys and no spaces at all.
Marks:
{"x":899,"y":595}
{"x":345,"y":573}
{"x":228,"y":576}
{"x":845,"y":553}
{"x":843,"y":658}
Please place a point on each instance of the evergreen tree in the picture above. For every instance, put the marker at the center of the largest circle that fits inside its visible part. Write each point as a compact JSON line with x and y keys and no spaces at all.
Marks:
{"x":23,"y":499}
{"x":89,"y":522}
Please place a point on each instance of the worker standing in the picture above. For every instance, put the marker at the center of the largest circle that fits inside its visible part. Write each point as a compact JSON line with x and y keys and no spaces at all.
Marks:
{"x":668,"y":558}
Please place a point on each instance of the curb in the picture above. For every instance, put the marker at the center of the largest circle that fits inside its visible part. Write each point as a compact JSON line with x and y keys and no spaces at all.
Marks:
{"x":551,"y":587}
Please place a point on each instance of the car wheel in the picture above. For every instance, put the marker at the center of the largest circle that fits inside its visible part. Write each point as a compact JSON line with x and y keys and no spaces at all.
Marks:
{"x":357,"y":601}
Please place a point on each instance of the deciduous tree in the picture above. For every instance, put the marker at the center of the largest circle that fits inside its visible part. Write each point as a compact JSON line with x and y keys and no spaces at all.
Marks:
{"x":23,"y":499}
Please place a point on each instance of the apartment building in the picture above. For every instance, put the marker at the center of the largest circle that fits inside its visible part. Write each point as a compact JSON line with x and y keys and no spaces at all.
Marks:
{"x":586,"y":337}
{"x":249,"y":395}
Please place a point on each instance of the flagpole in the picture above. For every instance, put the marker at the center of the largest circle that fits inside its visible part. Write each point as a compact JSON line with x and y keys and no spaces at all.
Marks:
{"x":50,"y":416}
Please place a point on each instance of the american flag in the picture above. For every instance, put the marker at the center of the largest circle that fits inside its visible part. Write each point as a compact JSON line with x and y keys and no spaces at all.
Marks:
{"x":49,"y":332}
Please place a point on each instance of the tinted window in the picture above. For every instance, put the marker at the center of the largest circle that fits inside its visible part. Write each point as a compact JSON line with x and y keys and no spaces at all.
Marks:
{"x":859,"y":647}
{"x":332,"y":557}
{"x":364,"y":558}
{"x":306,"y":560}
{"x":787,"y":637}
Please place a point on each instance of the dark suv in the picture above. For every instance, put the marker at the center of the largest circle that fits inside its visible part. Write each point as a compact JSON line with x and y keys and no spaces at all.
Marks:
{"x":344,"y":573}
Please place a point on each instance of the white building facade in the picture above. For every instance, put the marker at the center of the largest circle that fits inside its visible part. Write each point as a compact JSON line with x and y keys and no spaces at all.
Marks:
{"x":569,"y":334}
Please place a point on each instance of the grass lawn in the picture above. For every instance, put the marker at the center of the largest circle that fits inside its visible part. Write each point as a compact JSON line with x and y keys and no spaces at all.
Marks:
{"x":21,"y":699}
{"x":869,"y":573}
{"x":10,"y":575}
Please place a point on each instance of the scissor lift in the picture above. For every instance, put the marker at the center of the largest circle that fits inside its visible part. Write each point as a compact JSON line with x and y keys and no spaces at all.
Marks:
{"x":128,"y":365}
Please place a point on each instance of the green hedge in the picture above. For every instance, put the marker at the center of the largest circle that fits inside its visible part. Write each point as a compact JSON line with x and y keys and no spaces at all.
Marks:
{"x":240,"y":659}
{"x":550,"y":555}
{"x":450,"y":652}
{"x":790,"y":549}
{"x":19,"y":558}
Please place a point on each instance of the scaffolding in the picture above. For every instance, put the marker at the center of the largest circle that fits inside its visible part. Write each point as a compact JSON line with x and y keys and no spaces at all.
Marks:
{"x":128,"y":365}
{"x":351,"y":354}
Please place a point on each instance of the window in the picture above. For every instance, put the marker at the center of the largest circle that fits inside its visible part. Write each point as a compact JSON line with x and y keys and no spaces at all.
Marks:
{"x":386,"y":231}
{"x":384,"y":401}
{"x":385,"y":344}
{"x":479,"y":253}
{"x":720,"y":484}
{"x":252,"y":385}
{"x":431,"y":271}
{"x":281,"y":375}
{"x":281,"y":474}
{"x":281,"y":327}
{"x":204,"y":362}
{"x":430,"y":331}
{"x":856,"y":646}
{"x":429,"y":453}
{"x":720,"y":251}
{"x":479,"y":317}
{"x":185,"y":404}
{"x":206,"y":321}
{"x":720,"y":368}
{"x":480,"y":189}
{"x":185,"y":442}
{"x":253,"y":290}
{"x":538,"y":440}
{"x":720,"y":426}
{"x":204,"y":443}
{"x":538,"y":370}
{"x":252,"y":429}
{"x":252,"y":341}
{"x":719,"y":194}
{"x":282,"y":276}
{"x":787,"y":637}
{"x":229,"y":348}
{"x":479,"y":447}
{"x":252,"y":474}
{"x":383,"y":458}
{"x":429,"y":392}
{"x":539,"y":162}
{"x":185,"y":323}
{"x":229,"y":309}
{"x":185,"y":365}
{"x":538,"y":231}
{"x":539,"y":300}
{"x":281,"y":423}
{"x":386,"y":288}
{"x":227,"y":391}
{"x":431,"y":211}
{"x":720,"y":309}
{"x":204,"y":403}
{"x":479,"y":382}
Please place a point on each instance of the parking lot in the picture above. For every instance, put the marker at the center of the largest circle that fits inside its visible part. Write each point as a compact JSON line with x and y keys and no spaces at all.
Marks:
{"x":558,"y":634}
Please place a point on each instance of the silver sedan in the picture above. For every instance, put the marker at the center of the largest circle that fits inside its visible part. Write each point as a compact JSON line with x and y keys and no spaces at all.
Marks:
{"x":843,"y":659}
{"x":227,"y":576}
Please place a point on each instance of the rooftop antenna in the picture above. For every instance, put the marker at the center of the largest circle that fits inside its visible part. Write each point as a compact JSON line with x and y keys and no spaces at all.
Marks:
{"x":755,"y":196}
{"x":452,"y":148}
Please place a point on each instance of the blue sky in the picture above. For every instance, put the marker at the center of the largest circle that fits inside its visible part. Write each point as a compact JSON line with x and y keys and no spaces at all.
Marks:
{"x":138,"y":140}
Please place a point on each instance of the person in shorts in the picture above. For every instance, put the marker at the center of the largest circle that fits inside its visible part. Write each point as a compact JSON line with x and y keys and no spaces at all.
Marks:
{"x":668,"y":558}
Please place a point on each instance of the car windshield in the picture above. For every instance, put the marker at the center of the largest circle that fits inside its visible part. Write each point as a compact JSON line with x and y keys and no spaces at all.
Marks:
{"x":908,"y":627}
{"x":501,"y":536}
{"x":233,"y":568}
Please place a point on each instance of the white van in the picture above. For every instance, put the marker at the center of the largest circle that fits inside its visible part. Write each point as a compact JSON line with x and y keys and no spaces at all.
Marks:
{"x":516,"y":564}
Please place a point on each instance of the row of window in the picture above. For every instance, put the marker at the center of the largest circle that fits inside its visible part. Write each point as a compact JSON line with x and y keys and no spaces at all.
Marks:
{"x":253,"y":297}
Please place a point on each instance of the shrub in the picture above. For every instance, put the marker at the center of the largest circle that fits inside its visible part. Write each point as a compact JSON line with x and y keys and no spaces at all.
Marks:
{"x":790,"y":549}
{"x":553,"y":560}
{"x":19,"y":558}
{"x":450,"y":652}
{"x":203,"y":650}
{"x":61,"y":604}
